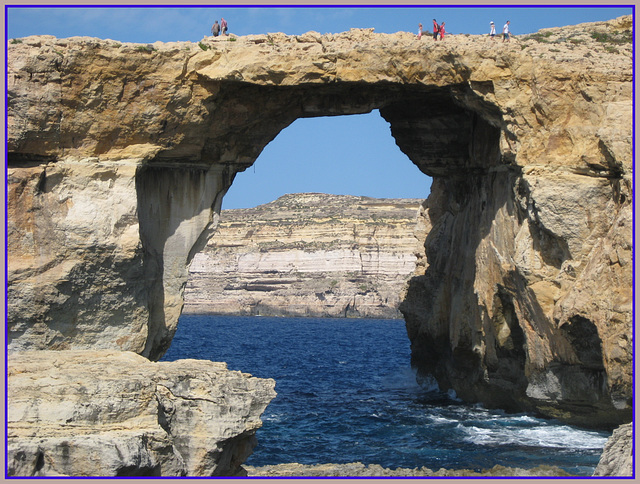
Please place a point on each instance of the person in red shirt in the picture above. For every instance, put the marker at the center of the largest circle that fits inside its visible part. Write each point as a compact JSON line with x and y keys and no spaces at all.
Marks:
{"x":442,"y":31}
{"x":436,"y":29}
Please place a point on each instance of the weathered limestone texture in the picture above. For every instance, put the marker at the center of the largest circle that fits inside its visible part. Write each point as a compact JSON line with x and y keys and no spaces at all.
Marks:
{"x":617,"y":457}
{"x":119,"y":155}
{"x":308,"y":254}
{"x":112,"y":413}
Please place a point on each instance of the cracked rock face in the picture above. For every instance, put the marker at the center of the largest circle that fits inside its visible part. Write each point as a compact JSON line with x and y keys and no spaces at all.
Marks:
{"x":119,"y":156}
{"x":110,"y":413}
{"x":617,"y":458}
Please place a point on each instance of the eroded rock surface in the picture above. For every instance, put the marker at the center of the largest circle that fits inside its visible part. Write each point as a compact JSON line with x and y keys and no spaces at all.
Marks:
{"x":308,"y":254}
{"x":617,"y":458}
{"x":119,"y":155}
{"x":110,"y":413}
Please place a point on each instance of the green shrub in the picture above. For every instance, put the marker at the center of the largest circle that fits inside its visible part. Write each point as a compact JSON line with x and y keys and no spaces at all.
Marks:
{"x":145,"y":48}
{"x":203,"y":46}
{"x":539,"y":37}
{"x":616,"y":38}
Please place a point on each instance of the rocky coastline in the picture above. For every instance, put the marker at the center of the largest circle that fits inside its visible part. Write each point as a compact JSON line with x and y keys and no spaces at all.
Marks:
{"x":358,"y":469}
{"x":522,"y":297}
{"x":616,"y":461}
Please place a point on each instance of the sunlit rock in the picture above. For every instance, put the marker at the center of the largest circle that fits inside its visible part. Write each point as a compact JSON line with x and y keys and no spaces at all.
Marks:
{"x":308,"y":254}
{"x":119,"y":155}
{"x":110,"y":413}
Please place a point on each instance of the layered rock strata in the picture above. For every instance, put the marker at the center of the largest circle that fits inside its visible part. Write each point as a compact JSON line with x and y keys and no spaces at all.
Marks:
{"x":308,"y":254}
{"x":111,"y":413}
{"x":119,"y":155}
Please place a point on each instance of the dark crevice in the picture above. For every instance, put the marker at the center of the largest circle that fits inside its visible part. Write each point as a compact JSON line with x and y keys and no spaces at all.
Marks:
{"x":27,"y":160}
{"x":583,"y":336}
{"x":133,"y":471}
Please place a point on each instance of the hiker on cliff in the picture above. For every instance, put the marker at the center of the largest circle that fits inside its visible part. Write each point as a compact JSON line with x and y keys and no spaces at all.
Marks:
{"x":419,"y":31}
{"x":215,"y":29}
{"x":223,"y":26}
{"x":436,"y":29}
{"x":441,"y":31}
{"x":505,"y":32}
{"x":492,"y":32}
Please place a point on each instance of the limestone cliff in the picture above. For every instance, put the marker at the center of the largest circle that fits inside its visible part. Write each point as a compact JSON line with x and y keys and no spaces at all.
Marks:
{"x":112,"y":413}
{"x":308,"y":254}
{"x":618,"y":457}
{"x":119,"y":155}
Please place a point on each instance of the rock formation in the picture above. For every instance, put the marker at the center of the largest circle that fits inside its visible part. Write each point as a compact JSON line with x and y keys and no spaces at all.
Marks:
{"x":534,"y":310}
{"x":308,"y":254}
{"x":617,"y":458}
{"x":119,"y":154}
{"x":112,"y":413}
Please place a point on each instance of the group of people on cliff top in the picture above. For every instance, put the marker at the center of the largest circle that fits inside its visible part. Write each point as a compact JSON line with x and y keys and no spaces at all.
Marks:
{"x":438,"y":31}
{"x":218,"y":28}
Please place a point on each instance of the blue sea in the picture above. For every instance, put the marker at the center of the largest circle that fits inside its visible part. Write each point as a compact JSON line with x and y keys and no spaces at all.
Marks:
{"x":346,"y":393}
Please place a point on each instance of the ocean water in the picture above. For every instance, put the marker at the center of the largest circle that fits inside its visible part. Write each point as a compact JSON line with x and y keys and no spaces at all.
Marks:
{"x":346,"y":393}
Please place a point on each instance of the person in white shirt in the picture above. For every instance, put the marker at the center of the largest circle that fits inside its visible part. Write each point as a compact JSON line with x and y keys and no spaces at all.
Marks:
{"x":492,"y":33}
{"x":505,"y":32}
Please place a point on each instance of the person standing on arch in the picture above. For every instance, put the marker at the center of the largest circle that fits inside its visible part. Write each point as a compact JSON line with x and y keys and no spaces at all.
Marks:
{"x":224,"y":26}
{"x":442,"y":31}
{"x":215,"y":28}
{"x":436,"y":29}
{"x":419,"y":31}
{"x":492,"y":32}
{"x":505,"y":31}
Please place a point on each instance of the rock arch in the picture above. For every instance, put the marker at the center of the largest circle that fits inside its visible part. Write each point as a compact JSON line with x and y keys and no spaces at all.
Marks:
{"x":119,"y":157}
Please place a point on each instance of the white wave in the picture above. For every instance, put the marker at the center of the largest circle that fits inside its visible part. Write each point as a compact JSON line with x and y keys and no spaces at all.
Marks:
{"x":271,"y":418}
{"x":559,"y":437}
{"x":522,"y":418}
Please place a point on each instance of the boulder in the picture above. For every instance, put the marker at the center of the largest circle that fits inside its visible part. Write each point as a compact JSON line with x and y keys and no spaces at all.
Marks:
{"x":108,"y":413}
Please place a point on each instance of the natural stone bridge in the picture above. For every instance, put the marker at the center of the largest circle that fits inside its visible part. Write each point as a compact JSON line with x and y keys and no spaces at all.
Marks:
{"x":119,"y":155}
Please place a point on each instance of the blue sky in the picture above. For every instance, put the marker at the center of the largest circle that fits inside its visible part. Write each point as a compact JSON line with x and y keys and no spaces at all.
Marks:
{"x":343,"y":155}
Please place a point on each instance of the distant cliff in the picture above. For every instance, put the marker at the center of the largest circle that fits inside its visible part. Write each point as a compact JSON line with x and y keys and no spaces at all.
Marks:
{"x":308,"y":254}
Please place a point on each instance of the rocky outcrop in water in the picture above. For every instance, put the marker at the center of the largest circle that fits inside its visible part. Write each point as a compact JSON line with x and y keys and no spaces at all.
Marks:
{"x":308,"y":254}
{"x":119,"y":155}
{"x":110,"y":413}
